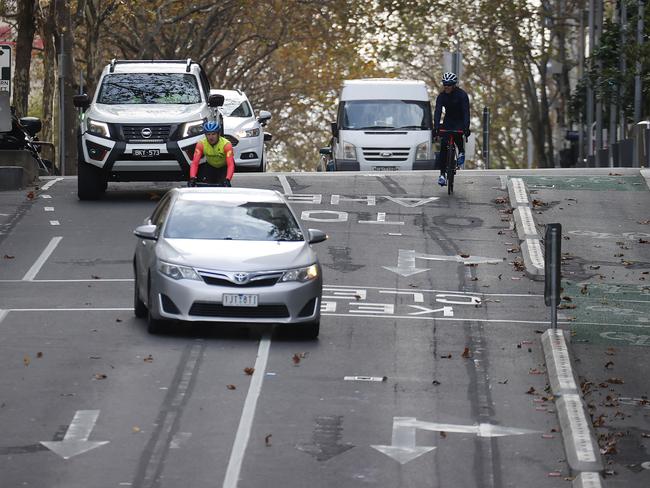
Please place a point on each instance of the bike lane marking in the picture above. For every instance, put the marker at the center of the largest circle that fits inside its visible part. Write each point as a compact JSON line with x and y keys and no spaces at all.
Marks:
{"x":47,"y":252}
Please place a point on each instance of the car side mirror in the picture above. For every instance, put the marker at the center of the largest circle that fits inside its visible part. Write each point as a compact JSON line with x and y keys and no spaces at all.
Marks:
{"x":81,"y":101}
{"x":335,"y":129}
{"x":216,"y":100}
{"x":264,"y":117}
{"x":325,"y":151}
{"x":316,"y":236}
{"x":147,"y":231}
{"x":32,"y":125}
{"x":268,"y":137}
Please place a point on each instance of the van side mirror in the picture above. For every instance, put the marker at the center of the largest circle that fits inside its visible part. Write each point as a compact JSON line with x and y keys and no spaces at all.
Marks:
{"x":216,"y":100}
{"x":32,"y":125}
{"x":81,"y":101}
{"x":335,"y":129}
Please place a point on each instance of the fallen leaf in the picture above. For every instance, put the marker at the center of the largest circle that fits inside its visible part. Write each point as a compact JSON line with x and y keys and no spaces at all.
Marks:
{"x":615,"y":174}
{"x":500,"y":200}
{"x":118,"y":320}
{"x":594,"y":266}
{"x":249,"y":371}
{"x":564,"y":306}
{"x":465,"y":256}
{"x":267,"y":440}
{"x":643,"y":222}
{"x":503,"y":382}
{"x":39,"y":355}
{"x":231,"y":387}
{"x":26,"y":360}
{"x":357,"y":297}
{"x":538,"y":203}
{"x":531,"y":391}
{"x":30,"y":195}
{"x":435,"y":382}
{"x":148,"y":359}
{"x":600,"y":421}
{"x":443,"y":434}
{"x":644,"y":241}
{"x":95,"y":277}
{"x":466,"y":353}
{"x":609,"y":364}
{"x":584,"y":289}
{"x":616,"y":381}
{"x":500,"y":276}
{"x":296,"y":359}
{"x":100,"y":376}
{"x":135,"y":429}
{"x":446,"y":356}
{"x":643,"y":434}
{"x":7,"y":256}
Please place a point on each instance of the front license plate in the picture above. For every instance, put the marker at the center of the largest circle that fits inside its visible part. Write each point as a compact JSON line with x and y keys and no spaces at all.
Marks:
{"x":384,"y":168}
{"x":146,"y":153}
{"x":239,"y":300}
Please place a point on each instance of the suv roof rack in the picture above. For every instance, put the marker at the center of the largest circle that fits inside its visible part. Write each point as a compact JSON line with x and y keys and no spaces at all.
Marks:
{"x":188,"y":62}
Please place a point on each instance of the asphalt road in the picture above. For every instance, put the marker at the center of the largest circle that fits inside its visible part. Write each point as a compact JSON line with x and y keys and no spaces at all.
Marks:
{"x":428,"y":370}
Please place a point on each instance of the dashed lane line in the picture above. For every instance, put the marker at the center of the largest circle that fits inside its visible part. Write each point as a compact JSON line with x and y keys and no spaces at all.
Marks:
{"x":36,"y":267}
{"x":49,"y":184}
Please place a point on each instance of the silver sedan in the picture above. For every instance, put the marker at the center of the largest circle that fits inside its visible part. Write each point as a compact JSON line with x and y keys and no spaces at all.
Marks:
{"x":227,"y":255}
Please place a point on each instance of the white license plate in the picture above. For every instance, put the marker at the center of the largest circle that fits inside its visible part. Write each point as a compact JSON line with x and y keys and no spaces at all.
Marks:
{"x":146,"y":153}
{"x":239,"y":300}
{"x":384,"y":168}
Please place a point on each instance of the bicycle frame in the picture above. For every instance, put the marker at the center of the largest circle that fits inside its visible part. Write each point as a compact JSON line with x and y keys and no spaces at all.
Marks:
{"x":450,"y":163}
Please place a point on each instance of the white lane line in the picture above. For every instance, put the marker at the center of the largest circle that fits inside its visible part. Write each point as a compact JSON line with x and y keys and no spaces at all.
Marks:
{"x":36,"y":267}
{"x":49,"y":184}
{"x":3,"y":314}
{"x":84,"y":280}
{"x":286,"y":187}
{"x":246,"y":422}
{"x":48,"y":209}
{"x":46,"y":196}
{"x":107,"y":309}
{"x":55,"y":222}
{"x":411,"y":290}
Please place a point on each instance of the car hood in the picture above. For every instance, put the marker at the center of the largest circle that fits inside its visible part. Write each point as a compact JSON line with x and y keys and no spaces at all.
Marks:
{"x":220,"y":255}
{"x":234,"y":124}
{"x":147,"y":114}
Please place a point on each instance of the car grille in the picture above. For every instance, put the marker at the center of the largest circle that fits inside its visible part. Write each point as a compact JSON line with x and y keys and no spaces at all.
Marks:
{"x":133,"y":133}
{"x":385,"y":154}
{"x":216,"y":310}
{"x":233,"y":140}
{"x":261,"y":279}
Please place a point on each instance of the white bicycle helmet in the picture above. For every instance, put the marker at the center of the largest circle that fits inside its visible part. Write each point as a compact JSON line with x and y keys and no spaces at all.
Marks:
{"x":449,"y":79}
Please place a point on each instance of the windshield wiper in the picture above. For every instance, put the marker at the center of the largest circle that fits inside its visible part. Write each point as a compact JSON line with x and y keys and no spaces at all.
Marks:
{"x":411,"y":127}
{"x":371,"y":127}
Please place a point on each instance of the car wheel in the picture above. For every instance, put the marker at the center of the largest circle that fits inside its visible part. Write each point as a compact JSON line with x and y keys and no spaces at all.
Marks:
{"x":139,"y":308}
{"x":262,"y":167}
{"x":154,"y":325}
{"x":310,"y":330}
{"x":90,"y":182}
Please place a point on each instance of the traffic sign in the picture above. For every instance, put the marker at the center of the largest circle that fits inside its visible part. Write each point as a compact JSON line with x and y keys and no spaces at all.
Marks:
{"x":5,"y":68}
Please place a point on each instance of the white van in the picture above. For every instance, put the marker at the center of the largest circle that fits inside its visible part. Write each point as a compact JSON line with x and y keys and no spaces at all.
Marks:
{"x":382,"y":125}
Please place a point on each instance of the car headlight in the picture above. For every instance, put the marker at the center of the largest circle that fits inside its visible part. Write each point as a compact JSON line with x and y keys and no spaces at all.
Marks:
{"x":177,"y":272}
{"x":248,"y":133}
{"x":349,"y":151}
{"x":422,"y":151}
{"x":302,"y":274}
{"x":98,"y":128}
{"x":191,"y":129}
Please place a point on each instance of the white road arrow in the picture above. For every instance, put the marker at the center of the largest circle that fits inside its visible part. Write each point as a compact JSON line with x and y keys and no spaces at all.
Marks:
{"x":76,"y":440}
{"x":481,"y":430}
{"x":406,"y":261}
{"x":403,"y":448}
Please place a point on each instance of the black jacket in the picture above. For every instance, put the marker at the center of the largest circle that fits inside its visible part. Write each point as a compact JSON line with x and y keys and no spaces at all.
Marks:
{"x":456,"y":106}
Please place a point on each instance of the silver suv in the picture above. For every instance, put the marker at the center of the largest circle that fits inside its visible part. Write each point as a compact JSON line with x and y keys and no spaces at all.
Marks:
{"x":142,"y":123}
{"x":244,"y":131}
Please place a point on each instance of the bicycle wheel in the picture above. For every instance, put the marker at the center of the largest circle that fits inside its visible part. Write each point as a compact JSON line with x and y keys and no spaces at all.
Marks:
{"x":451,"y":163}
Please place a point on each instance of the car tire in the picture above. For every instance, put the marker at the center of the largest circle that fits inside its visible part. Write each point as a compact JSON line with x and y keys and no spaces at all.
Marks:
{"x":139,"y":308}
{"x":310,"y":330}
{"x":154,"y":325}
{"x":91,"y":183}
{"x":262,"y":167}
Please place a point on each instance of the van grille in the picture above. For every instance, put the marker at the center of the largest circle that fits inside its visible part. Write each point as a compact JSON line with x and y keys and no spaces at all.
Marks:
{"x":133,"y":133}
{"x":386,"y":154}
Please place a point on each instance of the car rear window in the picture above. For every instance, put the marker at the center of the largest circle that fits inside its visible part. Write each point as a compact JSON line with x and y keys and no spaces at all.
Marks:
{"x":149,"y":88}
{"x":249,"y":221}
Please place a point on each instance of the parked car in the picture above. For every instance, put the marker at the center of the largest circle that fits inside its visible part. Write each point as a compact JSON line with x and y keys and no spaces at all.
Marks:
{"x":233,"y":255}
{"x":142,"y":123}
{"x":382,"y":125}
{"x":244,"y":131}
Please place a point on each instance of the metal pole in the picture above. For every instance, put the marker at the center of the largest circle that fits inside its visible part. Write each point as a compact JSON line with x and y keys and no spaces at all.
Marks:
{"x":62,"y":121}
{"x":553,"y":268}
{"x":613,"y":110}
{"x":599,"y":98}
{"x":637,"y":79}
{"x":623,"y":67}
{"x":581,"y":74}
{"x":590,"y":90}
{"x":486,"y":137}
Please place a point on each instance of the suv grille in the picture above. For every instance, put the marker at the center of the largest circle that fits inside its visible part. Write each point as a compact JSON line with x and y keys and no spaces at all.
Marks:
{"x":134,"y":133}
{"x":387,"y":154}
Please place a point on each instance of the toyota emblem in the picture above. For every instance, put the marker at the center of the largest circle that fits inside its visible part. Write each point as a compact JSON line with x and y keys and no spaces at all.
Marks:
{"x":241,"y":277}
{"x":146,"y":132}
{"x":386,"y":154}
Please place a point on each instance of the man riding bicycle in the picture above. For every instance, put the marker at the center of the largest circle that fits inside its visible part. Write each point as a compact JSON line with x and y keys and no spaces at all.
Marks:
{"x":220,"y":161}
{"x":456,"y":104}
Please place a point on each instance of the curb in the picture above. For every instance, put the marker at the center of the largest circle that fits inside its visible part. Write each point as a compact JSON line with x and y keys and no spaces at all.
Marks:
{"x":587,"y":480}
{"x":583,"y":454}
{"x":530,"y":240}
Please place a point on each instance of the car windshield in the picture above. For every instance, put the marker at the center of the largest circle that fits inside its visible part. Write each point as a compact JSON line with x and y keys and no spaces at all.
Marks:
{"x":385,"y":114}
{"x":250,"y":221}
{"x":236,"y":108}
{"x":149,"y":88}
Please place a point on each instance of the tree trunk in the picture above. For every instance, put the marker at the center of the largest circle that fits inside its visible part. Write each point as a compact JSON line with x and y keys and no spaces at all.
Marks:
{"x":47,"y":29}
{"x":24,"y":41}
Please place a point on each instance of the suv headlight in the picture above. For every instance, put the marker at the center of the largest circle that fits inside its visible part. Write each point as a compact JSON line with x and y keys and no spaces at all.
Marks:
{"x":349,"y":151}
{"x":191,"y":129}
{"x":422,"y":151}
{"x":177,"y":272}
{"x":301,"y":274}
{"x":248,"y":133}
{"x":98,"y":128}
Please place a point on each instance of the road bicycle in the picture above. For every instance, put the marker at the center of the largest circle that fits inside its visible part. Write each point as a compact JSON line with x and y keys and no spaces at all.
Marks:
{"x":450,"y":163}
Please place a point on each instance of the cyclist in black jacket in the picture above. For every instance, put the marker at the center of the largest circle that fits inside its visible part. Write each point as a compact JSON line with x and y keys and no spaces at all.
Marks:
{"x":456,"y":104}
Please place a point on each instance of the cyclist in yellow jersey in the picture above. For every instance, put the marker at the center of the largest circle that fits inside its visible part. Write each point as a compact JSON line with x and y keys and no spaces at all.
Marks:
{"x":219,"y":164}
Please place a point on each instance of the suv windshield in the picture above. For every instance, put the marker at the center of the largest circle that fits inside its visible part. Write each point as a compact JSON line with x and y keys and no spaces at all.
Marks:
{"x":385,"y":114}
{"x":149,"y":88}
{"x":236,"y":108}
{"x":257,"y":221}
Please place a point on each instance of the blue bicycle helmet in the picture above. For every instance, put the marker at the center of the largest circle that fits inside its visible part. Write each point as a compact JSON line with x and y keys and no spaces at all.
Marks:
{"x":211,"y":126}
{"x":449,"y":79}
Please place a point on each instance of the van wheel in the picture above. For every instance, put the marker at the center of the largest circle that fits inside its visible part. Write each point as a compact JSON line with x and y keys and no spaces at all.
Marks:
{"x":91,"y":183}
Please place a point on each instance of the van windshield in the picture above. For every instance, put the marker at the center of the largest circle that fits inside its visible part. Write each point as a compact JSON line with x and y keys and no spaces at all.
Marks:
{"x":385,"y":114}
{"x":149,"y":88}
